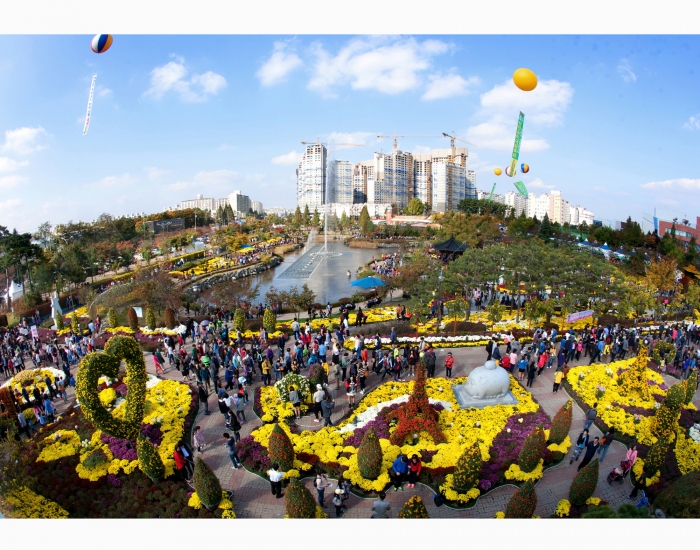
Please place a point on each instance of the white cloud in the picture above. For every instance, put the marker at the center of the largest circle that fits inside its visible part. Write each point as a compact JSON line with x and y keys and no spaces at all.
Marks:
{"x":23,"y":140}
{"x":337,"y":138}
{"x":7,"y":182}
{"x":293,"y":157}
{"x":539,"y":184}
{"x":624,"y":69}
{"x":693,"y":123}
{"x":10,"y":165}
{"x":425,"y":150}
{"x":102,"y":91}
{"x":114,"y":181}
{"x":281,"y":63}
{"x":544,"y":106}
{"x":450,"y":85}
{"x":387,"y":65}
{"x":207,"y":179}
{"x":173,"y":77}
{"x":686,"y":184}
{"x":9,"y":205}
{"x":154,"y":173}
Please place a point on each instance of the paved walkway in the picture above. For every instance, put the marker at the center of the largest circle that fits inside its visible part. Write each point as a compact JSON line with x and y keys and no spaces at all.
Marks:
{"x":253,"y":497}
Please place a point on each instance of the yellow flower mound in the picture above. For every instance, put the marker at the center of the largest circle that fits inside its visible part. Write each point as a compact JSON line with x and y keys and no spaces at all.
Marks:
{"x":593,"y":501}
{"x":638,"y":468}
{"x":27,"y":504}
{"x":159,"y":330}
{"x":272,"y":406}
{"x":563,"y":508}
{"x":291,"y":473}
{"x":80,"y":312}
{"x":687,"y":452}
{"x":447,"y":489}
{"x":500,"y":515}
{"x":63,"y":443}
{"x":126,"y":330}
{"x":585,"y":380}
{"x":101,"y":470}
{"x":107,"y":397}
{"x":514,"y":472}
{"x":37,"y":377}
{"x":563,"y":447}
{"x":225,"y":504}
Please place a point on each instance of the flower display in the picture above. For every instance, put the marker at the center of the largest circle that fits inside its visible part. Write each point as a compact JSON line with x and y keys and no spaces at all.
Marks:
{"x":27,"y":504}
{"x":515,"y":472}
{"x":500,"y":515}
{"x":60,"y":444}
{"x":225,"y":504}
{"x":108,"y":396}
{"x":563,"y":508}
{"x":593,"y":501}
{"x":450,"y":493}
{"x":32,"y":378}
{"x":414,"y":508}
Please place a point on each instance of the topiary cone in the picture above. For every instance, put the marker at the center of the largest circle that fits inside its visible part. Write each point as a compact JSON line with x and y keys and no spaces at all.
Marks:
{"x":269,"y":321}
{"x":675,"y":397}
{"x":369,"y":456}
{"x":59,"y":321}
{"x":299,"y":501}
{"x":75,"y":324}
{"x":280,"y":448}
{"x":532,"y":450}
{"x":150,"y":319}
{"x":112,"y":318}
{"x":207,"y":485}
{"x":132,"y":318}
{"x":561,"y":424}
{"x":169,"y":318}
{"x":468,"y":469}
{"x":584,"y":484}
{"x":149,"y":459}
{"x":692,"y":385}
{"x":239,"y":320}
{"x":414,"y":508}
{"x":523,"y":503}
{"x":655,"y":458}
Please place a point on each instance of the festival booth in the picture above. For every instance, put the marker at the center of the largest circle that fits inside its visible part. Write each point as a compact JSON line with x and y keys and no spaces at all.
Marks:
{"x":450,"y":249}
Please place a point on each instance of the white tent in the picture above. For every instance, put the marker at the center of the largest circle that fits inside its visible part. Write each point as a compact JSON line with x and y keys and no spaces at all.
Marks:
{"x":14,"y":292}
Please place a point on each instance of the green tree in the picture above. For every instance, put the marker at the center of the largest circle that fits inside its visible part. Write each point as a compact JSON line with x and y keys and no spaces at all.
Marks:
{"x":365,"y":222}
{"x":561,"y":424}
{"x":207,"y":485}
{"x":370,"y":456}
{"x":307,"y":215}
{"x":584,"y":484}
{"x":132,"y":318}
{"x":316,"y":220}
{"x":150,"y":319}
{"x":269,"y":321}
{"x":532,"y":450}
{"x":415,"y":207}
{"x":112,"y":318}
{"x":468,"y":469}
{"x":413,"y":509}
{"x":280,"y":448}
{"x":299,"y":502}
{"x":239,"y":320}
{"x":169,"y":318}
{"x":523,"y":503}
{"x":545,"y":231}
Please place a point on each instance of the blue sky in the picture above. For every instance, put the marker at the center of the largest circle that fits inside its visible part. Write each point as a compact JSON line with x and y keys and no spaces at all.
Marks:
{"x":614,"y":123}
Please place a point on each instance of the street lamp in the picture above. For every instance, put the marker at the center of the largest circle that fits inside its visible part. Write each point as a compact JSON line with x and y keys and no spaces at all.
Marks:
{"x":438,"y":303}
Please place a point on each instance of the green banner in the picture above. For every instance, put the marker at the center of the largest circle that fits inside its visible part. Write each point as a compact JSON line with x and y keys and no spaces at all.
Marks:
{"x":520,"y":186}
{"x":516,"y":145}
{"x":492,"y":190}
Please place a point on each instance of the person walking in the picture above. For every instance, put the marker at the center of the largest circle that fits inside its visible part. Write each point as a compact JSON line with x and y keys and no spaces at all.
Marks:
{"x":232,"y":451}
{"x":605,"y":444}
{"x":591,"y":449}
{"x":295,"y":400}
{"x":198,"y":439}
{"x":639,"y":485}
{"x":631,"y":455}
{"x":318,"y":398}
{"x":240,"y":409}
{"x":581,"y":443}
{"x":380,"y":508}
{"x":338,"y":503}
{"x":522,"y":365}
{"x":327,"y":406}
{"x":558,"y":377}
{"x":203,"y":398}
{"x":351,"y":388}
{"x":276,"y":478}
{"x":321,"y":483}
{"x":531,"y":371}
{"x":449,"y":363}
{"x":590,"y":416}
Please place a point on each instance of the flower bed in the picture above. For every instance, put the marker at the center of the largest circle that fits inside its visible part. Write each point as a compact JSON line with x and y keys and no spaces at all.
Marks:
{"x":336,"y":447}
{"x":31,"y":378}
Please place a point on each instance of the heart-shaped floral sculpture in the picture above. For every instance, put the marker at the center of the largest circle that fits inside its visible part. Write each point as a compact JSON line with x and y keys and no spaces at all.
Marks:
{"x":95,"y":365}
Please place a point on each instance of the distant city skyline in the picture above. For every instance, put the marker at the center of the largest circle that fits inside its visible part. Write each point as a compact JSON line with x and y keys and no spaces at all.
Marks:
{"x":614,"y":122}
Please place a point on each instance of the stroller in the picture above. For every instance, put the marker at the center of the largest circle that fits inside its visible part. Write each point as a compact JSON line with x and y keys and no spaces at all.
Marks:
{"x":620,"y":472}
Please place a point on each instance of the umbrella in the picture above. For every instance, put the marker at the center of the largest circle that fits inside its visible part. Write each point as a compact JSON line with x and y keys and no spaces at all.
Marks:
{"x":368,"y":282}
{"x":205,"y":323}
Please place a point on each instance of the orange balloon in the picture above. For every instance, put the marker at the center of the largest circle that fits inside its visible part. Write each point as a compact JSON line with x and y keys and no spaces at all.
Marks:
{"x":497,"y":171}
{"x":525,"y":79}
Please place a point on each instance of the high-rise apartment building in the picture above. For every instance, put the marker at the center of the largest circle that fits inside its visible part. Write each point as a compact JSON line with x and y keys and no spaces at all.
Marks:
{"x":537,"y":207}
{"x":312,"y":177}
{"x":239,"y":202}
{"x":517,"y":202}
{"x":340,"y":182}
{"x":362,"y":172}
{"x":393,"y":179}
{"x":423,"y":178}
{"x":257,"y":207}
{"x":449,"y":185}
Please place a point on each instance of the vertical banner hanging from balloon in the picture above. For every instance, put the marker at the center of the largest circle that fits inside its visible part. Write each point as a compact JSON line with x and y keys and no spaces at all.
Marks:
{"x":88,"y":114}
{"x":520,"y":186}
{"x":516,"y":146}
{"x":492,"y":190}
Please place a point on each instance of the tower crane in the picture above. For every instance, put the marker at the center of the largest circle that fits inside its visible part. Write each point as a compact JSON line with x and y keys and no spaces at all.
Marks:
{"x":452,"y":144}
{"x":326,"y":143}
{"x":408,"y":135}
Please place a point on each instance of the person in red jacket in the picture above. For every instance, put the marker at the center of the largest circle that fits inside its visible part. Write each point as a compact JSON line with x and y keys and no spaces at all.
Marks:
{"x":449,"y":362}
{"x":182,"y":465}
{"x":414,"y":467}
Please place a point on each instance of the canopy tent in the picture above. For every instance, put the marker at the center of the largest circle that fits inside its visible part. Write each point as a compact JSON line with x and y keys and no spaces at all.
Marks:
{"x":584,"y":243}
{"x":605,"y":247}
{"x":450,"y":246}
{"x":14,"y":292}
{"x":368,"y":282}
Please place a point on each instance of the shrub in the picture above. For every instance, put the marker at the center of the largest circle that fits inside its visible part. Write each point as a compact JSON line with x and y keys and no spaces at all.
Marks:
{"x":269,"y":321}
{"x":523,"y":503}
{"x":95,"y":458}
{"x":532,"y":450}
{"x":169,"y":318}
{"x":600,"y":512}
{"x":315,"y":375}
{"x":676,"y":396}
{"x":561,"y":424}
{"x":149,"y":459}
{"x":299,"y":501}
{"x":414,"y":508}
{"x":691,"y":386}
{"x":112,"y":318}
{"x":468,"y":469}
{"x":75,"y":324}
{"x":132,"y":318}
{"x":584,"y":484}
{"x":59,"y":321}
{"x":239,"y":320}
{"x":630,"y":511}
{"x":207,"y":485}
{"x":663,"y":425}
{"x":369,"y":456}
{"x":682,"y":498}
{"x":150,"y":319}
{"x":280,"y":448}
{"x":655,"y":457}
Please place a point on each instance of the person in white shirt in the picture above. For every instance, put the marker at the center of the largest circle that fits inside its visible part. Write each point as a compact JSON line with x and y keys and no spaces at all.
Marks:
{"x":276,"y":478}
{"x":318,"y":398}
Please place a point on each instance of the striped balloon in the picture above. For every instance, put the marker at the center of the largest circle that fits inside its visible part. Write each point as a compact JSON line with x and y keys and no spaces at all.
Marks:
{"x":524,"y":168}
{"x":101,"y":43}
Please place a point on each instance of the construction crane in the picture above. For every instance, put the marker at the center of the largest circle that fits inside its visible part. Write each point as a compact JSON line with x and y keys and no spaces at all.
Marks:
{"x":408,"y":135}
{"x":452,"y":144}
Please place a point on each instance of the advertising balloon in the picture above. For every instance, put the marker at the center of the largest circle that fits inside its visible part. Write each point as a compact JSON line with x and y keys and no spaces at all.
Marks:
{"x":525,"y":79}
{"x":101,"y":43}
{"x":497,"y":171}
{"x":524,"y":168}
{"x":508,"y":172}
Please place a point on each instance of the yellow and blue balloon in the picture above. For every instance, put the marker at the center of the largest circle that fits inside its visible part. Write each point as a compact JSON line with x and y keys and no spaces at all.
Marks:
{"x":524,"y":168}
{"x":101,"y":43}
